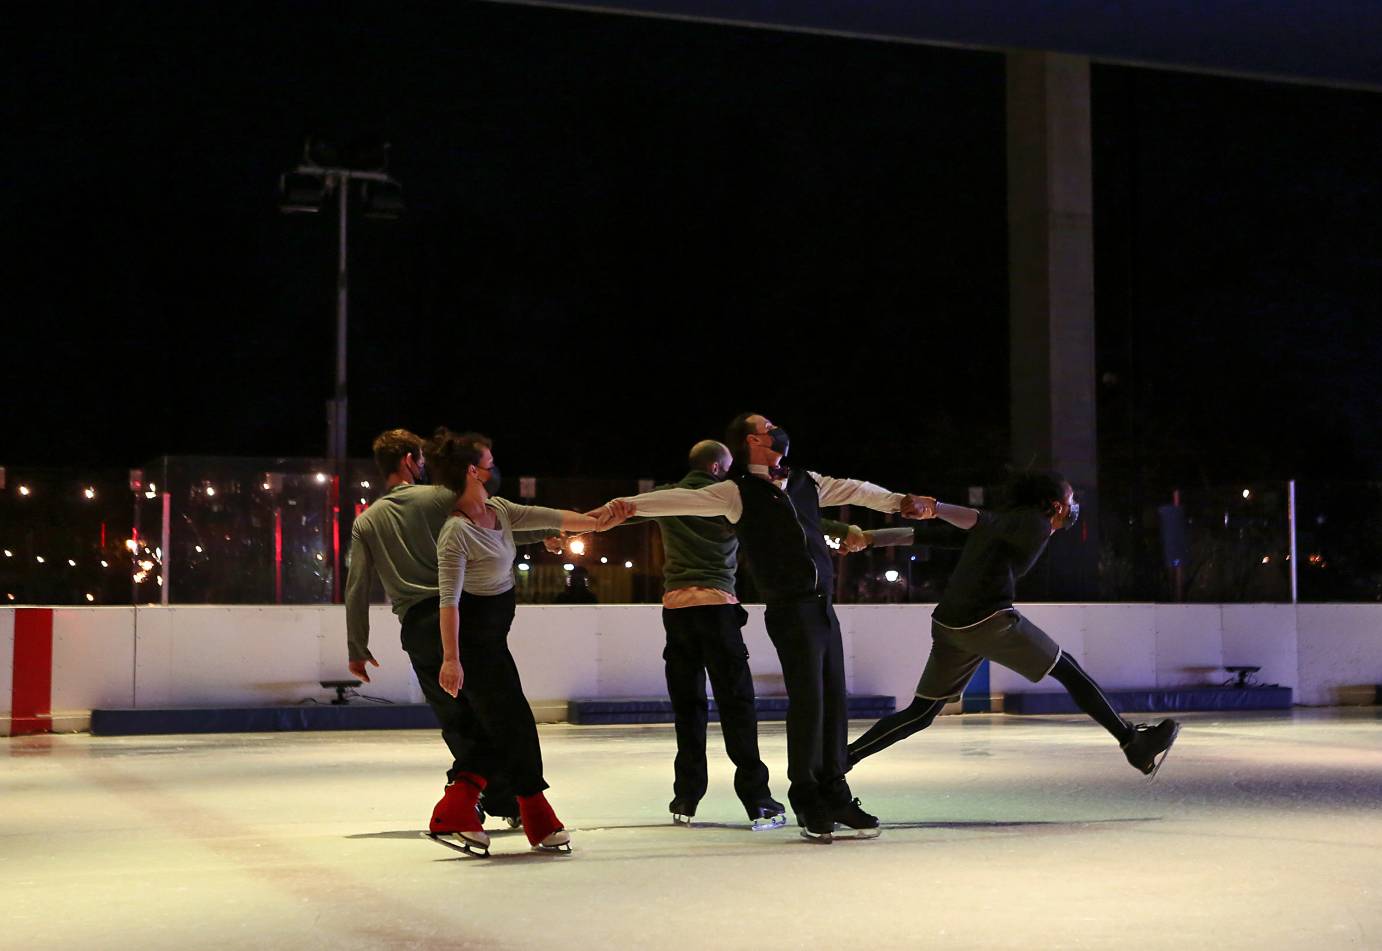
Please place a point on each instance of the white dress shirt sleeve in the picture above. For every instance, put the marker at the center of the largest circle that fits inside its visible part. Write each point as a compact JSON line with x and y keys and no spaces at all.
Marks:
{"x":834,"y":491}
{"x":722,"y":498}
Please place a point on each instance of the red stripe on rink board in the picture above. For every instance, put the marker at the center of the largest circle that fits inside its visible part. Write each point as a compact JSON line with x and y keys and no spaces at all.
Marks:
{"x":32,"y":702}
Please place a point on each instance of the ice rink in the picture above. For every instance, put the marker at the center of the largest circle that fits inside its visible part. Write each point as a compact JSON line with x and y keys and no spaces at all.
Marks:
{"x":999,"y":832}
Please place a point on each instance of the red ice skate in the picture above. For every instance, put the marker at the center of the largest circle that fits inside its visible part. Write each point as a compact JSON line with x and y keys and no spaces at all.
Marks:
{"x":455,"y":814}
{"x":544,"y":829}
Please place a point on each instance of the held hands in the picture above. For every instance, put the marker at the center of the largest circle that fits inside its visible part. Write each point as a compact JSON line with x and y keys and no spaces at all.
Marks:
{"x":918,"y":507}
{"x":451,"y":676}
{"x":612,"y":513}
{"x":555,"y":544}
{"x":856,"y":539}
{"x":357,"y":668}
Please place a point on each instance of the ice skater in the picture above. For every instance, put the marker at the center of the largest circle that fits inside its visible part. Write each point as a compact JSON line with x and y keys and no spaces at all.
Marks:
{"x":396,"y":539}
{"x":975,"y":619}
{"x":470,"y":662}
{"x":702,"y":618}
{"x":776,"y":517}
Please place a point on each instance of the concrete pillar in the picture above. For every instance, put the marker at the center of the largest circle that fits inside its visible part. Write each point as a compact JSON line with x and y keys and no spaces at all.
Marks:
{"x":1051,"y":291}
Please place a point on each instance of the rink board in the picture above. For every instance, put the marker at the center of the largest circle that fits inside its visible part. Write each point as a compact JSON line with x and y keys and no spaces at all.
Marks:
{"x":214,"y":656}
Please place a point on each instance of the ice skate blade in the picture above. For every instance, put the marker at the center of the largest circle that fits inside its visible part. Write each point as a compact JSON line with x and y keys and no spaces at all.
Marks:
{"x":680,"y":820}
{"x":768,"y":823}
{"x":818,"y":838}
{"x":1156,"y":767}
{"x":848,"y":833}
{"x":464,"y":846}
{"x":563,"y":848}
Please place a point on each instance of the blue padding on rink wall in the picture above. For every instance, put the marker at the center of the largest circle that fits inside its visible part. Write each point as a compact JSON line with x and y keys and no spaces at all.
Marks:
{"x":380,"y":716}
{"x":659,"y":709}
{"x":976,"y":697}
{"x":1156,"y":700}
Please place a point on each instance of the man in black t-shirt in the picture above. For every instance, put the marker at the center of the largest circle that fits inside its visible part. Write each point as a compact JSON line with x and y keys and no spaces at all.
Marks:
{"x":975,"y":619}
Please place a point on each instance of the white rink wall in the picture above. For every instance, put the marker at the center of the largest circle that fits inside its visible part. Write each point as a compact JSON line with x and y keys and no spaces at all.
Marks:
{"x":222,"y":656}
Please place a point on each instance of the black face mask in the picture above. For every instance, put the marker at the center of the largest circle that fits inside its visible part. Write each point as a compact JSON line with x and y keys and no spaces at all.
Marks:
{"x":781,"y":441}
{"x":1073,"y":517}
{"x":493,"y":482}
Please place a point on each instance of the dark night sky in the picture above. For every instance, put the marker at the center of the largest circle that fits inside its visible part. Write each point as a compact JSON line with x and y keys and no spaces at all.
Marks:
{"x":621,"y":232}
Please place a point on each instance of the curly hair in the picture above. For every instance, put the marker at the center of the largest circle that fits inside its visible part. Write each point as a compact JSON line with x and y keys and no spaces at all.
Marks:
{"x":1037,"y":489}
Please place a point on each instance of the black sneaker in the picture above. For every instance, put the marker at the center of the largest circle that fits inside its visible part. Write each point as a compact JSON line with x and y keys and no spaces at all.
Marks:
{"x":817,"y":825}
{"x":682,"y":810}
{"x":1150,"y":743}
{"x":860,"y":824}
{"x":767,"y":814}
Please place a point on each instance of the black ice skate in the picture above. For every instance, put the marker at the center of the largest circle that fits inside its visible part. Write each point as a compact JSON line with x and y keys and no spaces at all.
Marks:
{"x":766,"y":815}
{"x":682,"y":810}
{"x":852,"y":822}
{"x":1150,"y":743}
{"x":817,"y":825}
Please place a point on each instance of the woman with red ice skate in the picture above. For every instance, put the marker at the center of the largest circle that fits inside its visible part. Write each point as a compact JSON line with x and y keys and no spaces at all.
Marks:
{"x":475,"y":556}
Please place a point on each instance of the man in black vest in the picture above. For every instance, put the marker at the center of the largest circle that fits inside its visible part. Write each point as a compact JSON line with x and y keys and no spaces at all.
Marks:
{"x":776,"y":516}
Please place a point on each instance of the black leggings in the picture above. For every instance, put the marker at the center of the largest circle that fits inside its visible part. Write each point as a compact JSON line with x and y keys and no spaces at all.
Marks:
{"x":921,"y":712}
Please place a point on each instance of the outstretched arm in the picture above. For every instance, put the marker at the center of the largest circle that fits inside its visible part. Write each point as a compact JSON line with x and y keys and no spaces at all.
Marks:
{"x":960,"y":516}
{"x":722,"y":498}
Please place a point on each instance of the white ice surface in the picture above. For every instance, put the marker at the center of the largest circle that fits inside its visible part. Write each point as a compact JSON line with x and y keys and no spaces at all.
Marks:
{"x":999,"y":832}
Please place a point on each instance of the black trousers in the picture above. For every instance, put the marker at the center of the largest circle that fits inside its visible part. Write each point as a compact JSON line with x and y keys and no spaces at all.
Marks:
{"x":488,"y":726}
{"x":806,"y":634}
{"x":703,"y":640}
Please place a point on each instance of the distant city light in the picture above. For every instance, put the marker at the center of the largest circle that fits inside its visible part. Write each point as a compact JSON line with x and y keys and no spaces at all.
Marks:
{"x":90,"y":493}
{"x":321,"y":477}
{"x":568,"y":567}
{"x":523,"y":567}
{"x":210,"y":490}
{"x":150,"y":494}
{"x":604,"y":560}
{"x":71,"y":562}
{"x":527,"y":557}
{"x":39,"y":559}
{"x":10,"y":596}
{"x":198,"y":548}
{"x":23,"y":490}
{"x":891,"y":575}
{"x":364,"y":485}
{"x":104,"y":563}
{"x":8,"y":553}
{"x":147,"y":565}
{"x":628,"y":564}
{"x":264,"y":486}
{"x":90,"y":597}
{"x":159,"y":579}
{"x":1266,"y":559}
{"x":131,"y":544}
{"x":1247,"y":493}
{"x":577,"y":547}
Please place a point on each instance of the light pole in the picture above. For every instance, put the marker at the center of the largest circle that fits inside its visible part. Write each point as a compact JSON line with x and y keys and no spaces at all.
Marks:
{"x":324,"y":171}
